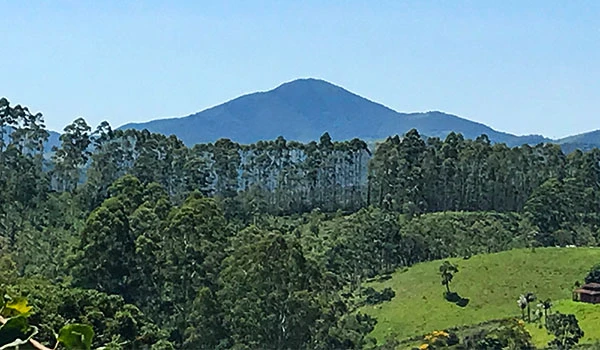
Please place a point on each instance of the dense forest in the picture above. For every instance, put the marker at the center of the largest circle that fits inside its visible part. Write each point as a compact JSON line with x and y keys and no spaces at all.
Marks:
{"x":221,"y":245}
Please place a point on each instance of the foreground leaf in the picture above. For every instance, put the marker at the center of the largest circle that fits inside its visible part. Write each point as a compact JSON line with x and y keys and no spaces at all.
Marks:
{"x":16,"y":331}
{"x":76,"y":336}
{"x":16,"y":306}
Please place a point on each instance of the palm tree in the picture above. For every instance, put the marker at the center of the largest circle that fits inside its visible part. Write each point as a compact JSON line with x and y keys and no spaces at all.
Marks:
{"x":546,"y":305}
{"x":522,"y":302}
{"x":530,"y":297}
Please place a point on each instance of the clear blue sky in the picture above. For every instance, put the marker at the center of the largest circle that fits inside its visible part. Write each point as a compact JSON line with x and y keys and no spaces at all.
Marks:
{"x":518,"y":66}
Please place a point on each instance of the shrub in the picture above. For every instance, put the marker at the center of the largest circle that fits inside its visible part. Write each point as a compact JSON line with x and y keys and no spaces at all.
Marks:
{"x":374,"y":297}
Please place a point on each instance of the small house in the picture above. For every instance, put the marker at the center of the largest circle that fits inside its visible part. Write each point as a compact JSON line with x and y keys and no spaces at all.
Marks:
{"x":588,"y":293}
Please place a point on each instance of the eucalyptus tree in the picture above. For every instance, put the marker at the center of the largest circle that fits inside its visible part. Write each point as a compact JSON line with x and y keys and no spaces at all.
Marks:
{"x":195,"y":242}
{"x":359,"y":153}
{"x":226,"y":167}
{"x":198,"y":170}
{"x":279,"y":287}
{"x":105,"y":256}
{"x":23,"y":182}
{"x":7,"y":122}
{"x":72,"y":155}
{"x":383,"y":168}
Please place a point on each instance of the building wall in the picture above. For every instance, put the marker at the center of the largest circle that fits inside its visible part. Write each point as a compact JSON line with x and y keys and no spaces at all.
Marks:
{"x":589,"y":298}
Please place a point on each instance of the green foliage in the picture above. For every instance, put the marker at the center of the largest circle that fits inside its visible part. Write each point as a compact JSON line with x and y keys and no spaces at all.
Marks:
{"x":205,"y":329}
{"x":106,"y":250}
{"x":56,"y":306}
{"x":8,"y":271}
{"x":447,"y":271}
{"x":72,"y":155}
{"x":279,"y":289}
{"x":507,"y":334}
{"x":565,"y":329}
{"x":76,"y":336}
{"x":373,"y":297}
{"x":594,"y":275}
{"x":15,"y":330}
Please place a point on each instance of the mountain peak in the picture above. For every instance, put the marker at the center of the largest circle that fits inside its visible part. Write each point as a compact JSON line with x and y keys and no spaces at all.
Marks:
{"x":303,"y":109}
{"x":309,"y":84}
{"x":302,"y":82}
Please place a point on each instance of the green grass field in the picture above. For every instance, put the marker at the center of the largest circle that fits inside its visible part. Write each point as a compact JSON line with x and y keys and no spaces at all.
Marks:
{"x":492,"y":283}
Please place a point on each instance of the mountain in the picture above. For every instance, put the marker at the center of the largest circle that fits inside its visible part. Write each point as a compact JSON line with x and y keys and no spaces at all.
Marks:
{"x":304,"y":109}
{"x":592,"y":137}
{"x":440,"y":124}
{"x":53,"y":139}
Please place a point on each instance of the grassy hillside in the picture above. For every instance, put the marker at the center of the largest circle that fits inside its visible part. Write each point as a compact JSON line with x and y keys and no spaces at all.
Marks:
{"x":492,"y":283}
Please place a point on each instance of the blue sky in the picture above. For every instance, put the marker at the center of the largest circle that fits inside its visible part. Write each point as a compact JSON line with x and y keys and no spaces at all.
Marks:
{"x":518,"y":66}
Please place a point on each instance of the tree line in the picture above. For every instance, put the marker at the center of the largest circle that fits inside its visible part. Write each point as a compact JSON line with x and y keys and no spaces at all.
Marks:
{"x":406,"y":173}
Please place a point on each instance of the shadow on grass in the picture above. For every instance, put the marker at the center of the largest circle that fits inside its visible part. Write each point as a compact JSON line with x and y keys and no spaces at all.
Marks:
{"x":455,"y":298}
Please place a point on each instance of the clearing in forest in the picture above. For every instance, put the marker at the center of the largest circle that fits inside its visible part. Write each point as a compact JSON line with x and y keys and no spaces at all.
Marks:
{"x":490,"y":285}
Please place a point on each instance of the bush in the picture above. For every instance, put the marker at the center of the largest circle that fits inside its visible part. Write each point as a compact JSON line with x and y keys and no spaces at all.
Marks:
{"x":594,"y":275}
{"x":374,"y":297}
{"x":505,"y":333}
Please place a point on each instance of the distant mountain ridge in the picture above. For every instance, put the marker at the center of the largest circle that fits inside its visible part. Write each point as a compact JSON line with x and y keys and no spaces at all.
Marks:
{"x":586,"y":138}
{"x":304,"y":109}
